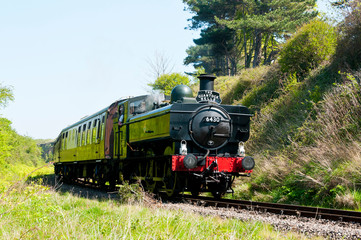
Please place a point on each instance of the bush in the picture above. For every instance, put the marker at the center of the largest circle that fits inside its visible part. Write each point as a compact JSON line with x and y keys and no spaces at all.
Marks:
{"x":17,"y":149}
{"x":348,"y":51}
{"x":5,"y":137}
{"x":313,"y":43}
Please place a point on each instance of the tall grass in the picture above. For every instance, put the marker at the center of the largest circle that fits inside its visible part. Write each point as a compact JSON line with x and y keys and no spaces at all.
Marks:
{"x":334,"y":149}
{"x":307,"y":143}
{"x":33,"y":211}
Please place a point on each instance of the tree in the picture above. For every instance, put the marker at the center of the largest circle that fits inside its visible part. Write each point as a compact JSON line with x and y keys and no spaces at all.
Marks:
{"x":159,"y":65}
{"x":6,"y":95}
{"x":200,"y":56}
{"x":166,"y":82}
{"x":248,"y":30}
{"x":348,"y":51}
{"x":216,"y":49}
{"x":270,"y":19}
{"x":13,"y":147}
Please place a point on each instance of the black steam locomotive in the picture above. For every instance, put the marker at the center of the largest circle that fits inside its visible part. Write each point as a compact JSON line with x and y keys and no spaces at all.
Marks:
{"x":186,"y":144}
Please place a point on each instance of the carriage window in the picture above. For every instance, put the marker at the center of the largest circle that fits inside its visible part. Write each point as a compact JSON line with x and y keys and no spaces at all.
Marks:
{"x":94,"y":131}
{"x":83,"y":135}
{"x":79,"y":136}
{"x":88,"y":133}
{"x":102,"y":129}
{"x":98,"y":131}
{"x":72,"y":139}
{"x":68,"y":139}
{"x":65,"y":140}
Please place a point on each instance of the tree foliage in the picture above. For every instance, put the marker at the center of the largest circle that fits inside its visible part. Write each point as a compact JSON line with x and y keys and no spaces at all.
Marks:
{"x":15,"y":148}
{"x":242,"y":33}
{"x":6,"y":95}
{"x":350,"y":30}
{"x":313,"y":43}
{"x":5,"y":138}
{"x":166,"y":82}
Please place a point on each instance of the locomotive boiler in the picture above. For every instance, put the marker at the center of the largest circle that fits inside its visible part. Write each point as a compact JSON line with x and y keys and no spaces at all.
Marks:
{"x":186,"y":144}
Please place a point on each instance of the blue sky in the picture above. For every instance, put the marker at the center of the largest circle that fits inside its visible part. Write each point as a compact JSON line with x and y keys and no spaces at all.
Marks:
{"x":68,"y":59}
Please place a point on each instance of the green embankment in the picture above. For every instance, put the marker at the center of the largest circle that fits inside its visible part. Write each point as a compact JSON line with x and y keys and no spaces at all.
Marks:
{"x":305,"y":134}
{"x":19,"y":155}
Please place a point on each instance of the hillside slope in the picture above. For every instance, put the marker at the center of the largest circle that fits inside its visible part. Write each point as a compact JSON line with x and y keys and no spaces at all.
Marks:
{"x":305,"y":133}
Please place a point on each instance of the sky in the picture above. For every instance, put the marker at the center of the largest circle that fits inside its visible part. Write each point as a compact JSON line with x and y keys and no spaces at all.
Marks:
{"x":68,"y":59}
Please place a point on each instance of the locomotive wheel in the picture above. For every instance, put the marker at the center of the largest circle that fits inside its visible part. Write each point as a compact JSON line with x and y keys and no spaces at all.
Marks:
{"x":170,"y":178}
{"x":100,"y":181}
{"x":98,"y":176}
{"x":195,"y":190}
{"x":218,"y":195}
{"x":194,"y":187}
{"x":170,"y":182}
{"x":149,"y":184}
{"x":195,"y":193}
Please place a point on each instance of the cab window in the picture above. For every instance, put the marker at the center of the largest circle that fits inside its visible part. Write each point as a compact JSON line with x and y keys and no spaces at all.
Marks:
{"x":137,"y":107}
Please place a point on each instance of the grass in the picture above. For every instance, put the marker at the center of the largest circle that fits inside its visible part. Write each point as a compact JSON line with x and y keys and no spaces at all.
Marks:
{"x":304,"y":136}
{"x":29,"y":210}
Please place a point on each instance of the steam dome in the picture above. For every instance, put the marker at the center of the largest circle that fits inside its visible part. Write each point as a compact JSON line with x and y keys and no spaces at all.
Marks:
{"x":180,"y":92}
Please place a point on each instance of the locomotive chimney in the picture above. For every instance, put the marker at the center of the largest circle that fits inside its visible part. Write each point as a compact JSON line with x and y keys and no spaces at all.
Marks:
{"x":206,"y":82}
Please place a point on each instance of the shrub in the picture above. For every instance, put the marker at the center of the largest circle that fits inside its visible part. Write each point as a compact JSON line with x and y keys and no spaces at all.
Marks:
{"x":313,"y":43}
{"x":131,"y":193}
{"x":15,"y":149}
{"x":5,"y":137}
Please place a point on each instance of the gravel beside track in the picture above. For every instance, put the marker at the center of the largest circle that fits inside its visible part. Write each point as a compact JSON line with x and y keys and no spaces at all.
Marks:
{"x":307,"y":226}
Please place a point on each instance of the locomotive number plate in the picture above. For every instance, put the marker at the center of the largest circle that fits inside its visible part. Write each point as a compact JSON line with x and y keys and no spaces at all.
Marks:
{"x":212,"y":119}
{"x":207,"y":95}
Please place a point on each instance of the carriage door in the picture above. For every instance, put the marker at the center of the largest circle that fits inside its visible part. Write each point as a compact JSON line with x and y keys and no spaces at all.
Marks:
{"x":109,"y":131}
{"x":119,"y":127}
{"x":96,"y":137}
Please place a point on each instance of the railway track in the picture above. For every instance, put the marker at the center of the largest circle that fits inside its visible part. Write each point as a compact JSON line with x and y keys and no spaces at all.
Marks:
{"x":281,"y":209}
{"x":276,"y":208}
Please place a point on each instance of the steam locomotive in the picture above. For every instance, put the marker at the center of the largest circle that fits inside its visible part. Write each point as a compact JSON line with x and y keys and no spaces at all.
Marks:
{"x":186,"y":144}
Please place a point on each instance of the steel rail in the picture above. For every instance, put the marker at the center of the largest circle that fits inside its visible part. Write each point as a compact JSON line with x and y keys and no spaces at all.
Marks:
{"x":276,"y":208}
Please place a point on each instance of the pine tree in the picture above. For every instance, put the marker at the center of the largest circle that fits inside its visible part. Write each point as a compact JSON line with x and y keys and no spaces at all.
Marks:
{"x":244,"y":29}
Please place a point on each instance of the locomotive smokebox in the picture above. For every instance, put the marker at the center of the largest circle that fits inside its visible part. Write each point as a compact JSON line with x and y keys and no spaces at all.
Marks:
{"x":206,"y":82}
